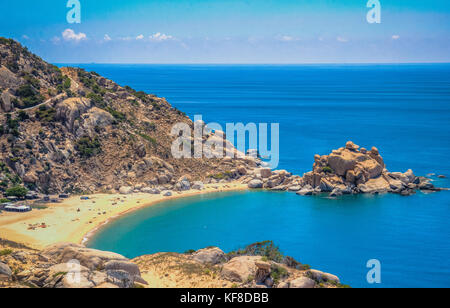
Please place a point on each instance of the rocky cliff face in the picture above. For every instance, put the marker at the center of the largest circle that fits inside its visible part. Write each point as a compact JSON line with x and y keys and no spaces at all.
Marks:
{"x":68,"y":130}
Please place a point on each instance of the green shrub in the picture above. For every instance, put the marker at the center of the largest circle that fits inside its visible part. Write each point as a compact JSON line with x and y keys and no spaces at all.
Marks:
{"x":222,"y":175}
{"x":327,"y":169}
{"x":141,"y":95}
{"x":22,"y":115}
{"x":88,"y":147}
{"x":148,"y":138}
{"x":265,"y":249}
{"x":66,"y":83}
{"x":16,"y":191}
{"x":119,"y":116}
{"x":25,"y":90}
{"x":5,"y":252}
{"x":45,"y":114}
{"x":28,"y":94}
{"x":33,"y":100}
{"x":59,"y":274}
{"x":33,"y":81}
{"x":97,"y":100}
{"x":278,"y":272}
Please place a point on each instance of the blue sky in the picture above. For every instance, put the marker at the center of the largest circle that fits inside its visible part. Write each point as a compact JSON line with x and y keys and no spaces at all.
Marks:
{"x":231,"y":31}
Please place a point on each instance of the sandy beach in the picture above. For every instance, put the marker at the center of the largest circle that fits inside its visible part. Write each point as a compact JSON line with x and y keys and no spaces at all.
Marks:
{"x":75,"y":220}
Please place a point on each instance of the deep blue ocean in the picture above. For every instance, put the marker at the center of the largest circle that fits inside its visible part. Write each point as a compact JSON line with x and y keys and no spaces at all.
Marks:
{"x":404,"y":110}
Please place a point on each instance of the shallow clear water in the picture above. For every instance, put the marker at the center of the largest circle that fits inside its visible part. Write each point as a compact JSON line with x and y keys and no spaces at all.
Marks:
{"x":404,"y":110}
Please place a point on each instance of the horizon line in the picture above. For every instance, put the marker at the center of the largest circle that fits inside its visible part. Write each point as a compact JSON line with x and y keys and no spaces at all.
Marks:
{"x":246,"y":63}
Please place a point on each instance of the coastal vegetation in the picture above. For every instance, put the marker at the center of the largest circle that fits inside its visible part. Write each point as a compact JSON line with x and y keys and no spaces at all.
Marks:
{"x":16,"y":191}
{"x":88,"y":147}
{"x":45,"y":114}
{"x":269,"y":252}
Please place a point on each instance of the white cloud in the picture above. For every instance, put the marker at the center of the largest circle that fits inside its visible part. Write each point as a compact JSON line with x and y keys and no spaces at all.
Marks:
{"x":25,"y":37}
{"x":107,"y":38}
{"x":288,"y":38}
{"x":395,"y":37}
{"x":55,"y":40}
{"x":70,"y":35}
{"x":140,"y":37}
{"x":342,"y":39}
{"x":161,"y":37}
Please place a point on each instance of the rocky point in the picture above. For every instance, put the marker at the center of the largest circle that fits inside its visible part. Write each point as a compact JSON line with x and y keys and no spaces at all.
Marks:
{"x":347,"y":170}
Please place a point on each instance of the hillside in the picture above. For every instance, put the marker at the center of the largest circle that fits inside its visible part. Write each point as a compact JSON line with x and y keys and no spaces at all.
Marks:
{"x":68,"y":130}
{"x":260,"y":265}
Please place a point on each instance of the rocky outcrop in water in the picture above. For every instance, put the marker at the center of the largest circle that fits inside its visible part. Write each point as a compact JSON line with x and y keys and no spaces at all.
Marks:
{"x":348,"y":170}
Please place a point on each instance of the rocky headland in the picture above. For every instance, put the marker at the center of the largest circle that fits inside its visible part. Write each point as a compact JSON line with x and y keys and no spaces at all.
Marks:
{"x":260,"y":265}
{"x":68,"y":131}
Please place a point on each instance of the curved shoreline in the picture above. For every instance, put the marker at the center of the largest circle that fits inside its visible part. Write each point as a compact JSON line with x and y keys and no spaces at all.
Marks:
{"x":87,"y":236}
{"x":77,"y":221}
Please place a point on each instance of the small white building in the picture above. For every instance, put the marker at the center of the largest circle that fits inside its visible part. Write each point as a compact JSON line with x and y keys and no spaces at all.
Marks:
{"x":17,"y":208}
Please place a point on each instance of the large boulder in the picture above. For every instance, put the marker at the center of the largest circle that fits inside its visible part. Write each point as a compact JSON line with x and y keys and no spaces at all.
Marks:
{"x":5,"y":272}
{"x":8,"y":79}
{"x":239,"y":269}
{"x":266,"y":173}
{"x":372,"y":168}
{"x":307,"y":190}
{"x":126,"y":190}
{"x":71,"y":109}
{"x":343,"y":161}
{"x":121,"y":278}
{"x":94,"y":119}
{"x":126,"y":266}
{"x":6,"y":102}
{"x":263,"y":272}
{"x":346,"y":161}
{"x":183,"y":185}
{"x":198,"y":185}
{"x":323,"y":277}
{"x":213,"y":255}
{"x":302,"y":283}
{"x":394,"y":184}
{"x":255,"y":184}
{"x":71,"y":276}
{"x":378,"y":185}
{"x":90,"y":258}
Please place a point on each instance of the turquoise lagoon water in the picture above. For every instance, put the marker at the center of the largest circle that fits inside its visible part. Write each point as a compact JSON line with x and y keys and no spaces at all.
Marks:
{"x":404,"y":110}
